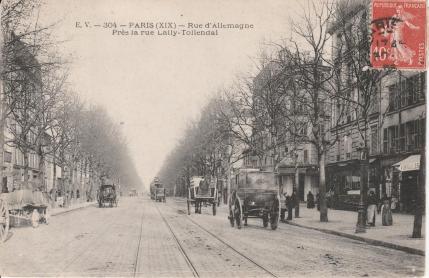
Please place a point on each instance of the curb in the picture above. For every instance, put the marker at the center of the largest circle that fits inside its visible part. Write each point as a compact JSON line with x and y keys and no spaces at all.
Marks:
{"x":375,"y":242}
{"x":71,"y":209}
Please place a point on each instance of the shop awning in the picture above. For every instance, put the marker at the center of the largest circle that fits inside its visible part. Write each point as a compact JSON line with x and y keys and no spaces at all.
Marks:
{"x":411,"y":163}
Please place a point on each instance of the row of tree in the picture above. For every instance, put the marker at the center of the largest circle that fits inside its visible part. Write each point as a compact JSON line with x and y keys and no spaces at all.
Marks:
{"x":288,"y":101}
{"x":42,"y":116}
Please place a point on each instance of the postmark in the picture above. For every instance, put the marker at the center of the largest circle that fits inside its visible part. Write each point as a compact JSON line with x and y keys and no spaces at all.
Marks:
{"x":398,"y":34}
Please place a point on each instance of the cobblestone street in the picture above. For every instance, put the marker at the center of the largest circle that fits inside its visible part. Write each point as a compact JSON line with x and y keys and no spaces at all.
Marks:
{"x":144,"y":238}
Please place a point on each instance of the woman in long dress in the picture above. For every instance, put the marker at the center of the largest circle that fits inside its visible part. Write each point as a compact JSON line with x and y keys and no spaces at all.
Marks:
{"x":386,"y":212}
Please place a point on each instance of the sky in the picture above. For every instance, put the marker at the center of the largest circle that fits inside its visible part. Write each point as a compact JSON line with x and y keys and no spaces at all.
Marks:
{"x":156,"y":84}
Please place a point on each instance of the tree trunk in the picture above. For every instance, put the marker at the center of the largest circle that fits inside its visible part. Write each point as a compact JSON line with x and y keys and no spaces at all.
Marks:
{"x":42,"y":169}
{"x":420,"y":198}
{"x":54,"y":179}
{"x":2,"y":104}
{"x":322,"y":189}
{"x":296,"y":188}
{"x":26,"y":166}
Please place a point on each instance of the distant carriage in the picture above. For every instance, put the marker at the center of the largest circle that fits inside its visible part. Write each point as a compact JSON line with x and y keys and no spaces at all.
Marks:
{"x":157,"y":191}
{"x":202,"y":192}
{"x":107,"y":195}
{"x":254,"y":194}
{"x":21,"y":207}
{"x":133,"y":193}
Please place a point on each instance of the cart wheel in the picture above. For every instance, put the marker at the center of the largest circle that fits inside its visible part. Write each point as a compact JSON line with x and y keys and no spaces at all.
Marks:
{"x":265,"y":220}
{"x":35,"y":217}
{"x":231,"y":217}
{"x":214,"y":208}
{"x":275,"y":214}
{"x":189,"y":207}
{"x":238,"y":213}
{"x":4,"y":221}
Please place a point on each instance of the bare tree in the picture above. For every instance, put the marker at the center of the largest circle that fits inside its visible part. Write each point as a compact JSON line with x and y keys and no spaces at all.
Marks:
{"x":309,"y":54}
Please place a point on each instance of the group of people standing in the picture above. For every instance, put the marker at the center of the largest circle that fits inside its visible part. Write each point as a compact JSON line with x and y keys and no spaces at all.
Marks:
{"x":374,"y":205}
{"x":382,"y":206}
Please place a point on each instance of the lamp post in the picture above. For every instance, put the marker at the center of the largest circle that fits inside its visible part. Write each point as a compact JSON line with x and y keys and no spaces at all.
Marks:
{"x":361,"y":222}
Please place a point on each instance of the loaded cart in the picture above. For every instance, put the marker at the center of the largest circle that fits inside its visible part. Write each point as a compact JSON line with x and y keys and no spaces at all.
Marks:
{"x":202,"y":192}
{"x":22,"y":207}
{"x":106,"y":195}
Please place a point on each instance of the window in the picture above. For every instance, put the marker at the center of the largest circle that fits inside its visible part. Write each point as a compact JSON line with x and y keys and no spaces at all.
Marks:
{"x":402,"y":138}
{"x":348,"y":146}
{"x":374,"y":140}
{"x":385,"y":141}
{"x":411,"y":136}
{"x":407,"y":91}
{"x":391,"y":98}
{"x":394,"y":139}
{"x":305,"y":156}
{"x":391,"y":139}
{"x":7,"y":157}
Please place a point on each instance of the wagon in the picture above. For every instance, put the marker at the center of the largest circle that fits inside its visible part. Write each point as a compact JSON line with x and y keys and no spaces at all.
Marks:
{"x":107,"y":196}
{"x":254,"y":194}
{"x":21,"y":207}
{"x":202,"y":192}
{"x":154,"y":186}
{"x":160,"y":194}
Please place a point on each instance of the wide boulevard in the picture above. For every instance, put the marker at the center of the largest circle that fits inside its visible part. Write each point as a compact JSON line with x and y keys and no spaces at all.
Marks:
{"x":143,"y":238}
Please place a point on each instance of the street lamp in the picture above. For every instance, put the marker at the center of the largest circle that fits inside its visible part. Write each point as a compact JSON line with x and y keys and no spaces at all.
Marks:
{"x":361,"y":222}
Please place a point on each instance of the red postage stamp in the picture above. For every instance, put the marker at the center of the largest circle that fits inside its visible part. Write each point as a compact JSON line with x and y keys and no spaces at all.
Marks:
{"x":398,"y":34}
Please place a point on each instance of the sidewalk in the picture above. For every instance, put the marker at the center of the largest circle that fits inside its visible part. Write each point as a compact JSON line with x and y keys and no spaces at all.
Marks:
{"x":343,"y":223}
{"x":58,"y":211}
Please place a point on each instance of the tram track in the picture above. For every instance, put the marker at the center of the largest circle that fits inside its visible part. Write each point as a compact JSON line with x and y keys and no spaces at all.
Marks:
{"x":138,"y":246}
{"x":217,"y":238}
{"x":179,"y":245}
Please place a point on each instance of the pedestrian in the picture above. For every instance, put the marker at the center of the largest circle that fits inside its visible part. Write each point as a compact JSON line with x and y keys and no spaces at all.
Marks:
{"x":394,"y":204}
{"x":371,"y":209}
{"x":283,"y":209}
{"x":295,"y":202}
{"x":310,"y":200}
{"x":318,"y":201}
{"x":289,"y":204}
{"x":386,"y":212}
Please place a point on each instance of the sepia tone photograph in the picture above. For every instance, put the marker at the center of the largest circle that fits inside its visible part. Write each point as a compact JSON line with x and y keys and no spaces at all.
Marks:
{"x":213,"y":138}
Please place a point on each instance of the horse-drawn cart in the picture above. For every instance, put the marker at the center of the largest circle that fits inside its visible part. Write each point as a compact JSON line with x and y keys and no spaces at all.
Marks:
{"x":22,"y":207}
{"x":106,"y":195}
{"x":254,"y":195}
{"x":202,"y":192}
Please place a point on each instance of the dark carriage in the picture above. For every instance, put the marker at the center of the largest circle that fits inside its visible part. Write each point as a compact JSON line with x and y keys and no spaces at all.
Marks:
{"x":160,"y":194}
{"x":254,"y":194}
{"x":107,"y":196}
{"x":202,"y":193}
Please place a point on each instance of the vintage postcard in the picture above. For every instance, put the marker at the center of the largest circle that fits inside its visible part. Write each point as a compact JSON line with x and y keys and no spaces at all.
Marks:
{"x":201,"y":138}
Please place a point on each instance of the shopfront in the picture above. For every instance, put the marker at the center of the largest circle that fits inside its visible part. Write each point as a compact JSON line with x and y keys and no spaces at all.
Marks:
{"x":404,"y":188}
{"x":343,"y":182}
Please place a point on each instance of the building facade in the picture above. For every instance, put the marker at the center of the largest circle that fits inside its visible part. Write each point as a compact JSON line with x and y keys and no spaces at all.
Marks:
{"x":394,"y":131}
